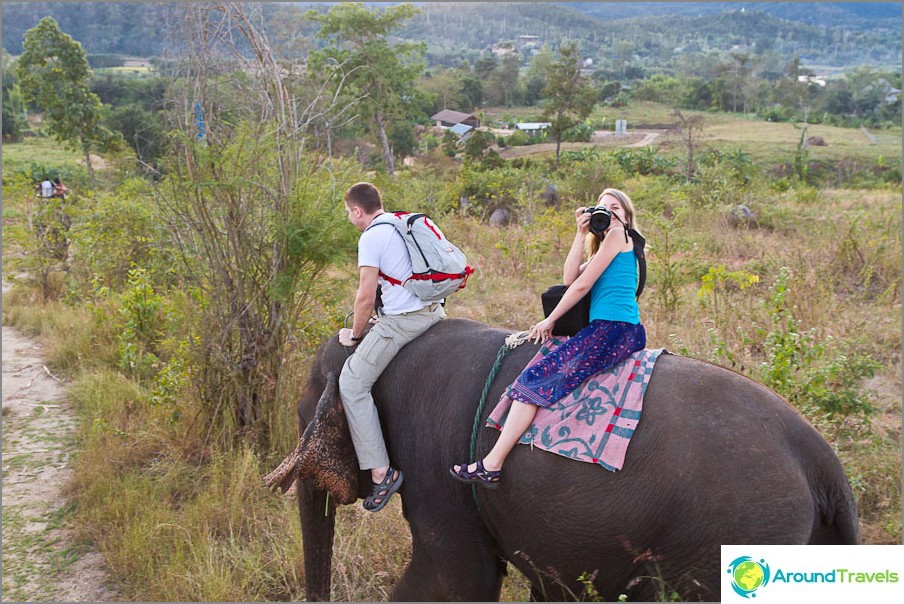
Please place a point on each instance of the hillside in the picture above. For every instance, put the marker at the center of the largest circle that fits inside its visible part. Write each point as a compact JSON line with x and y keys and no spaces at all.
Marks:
{"x":837,"y":34}
{"x":848,"y":15}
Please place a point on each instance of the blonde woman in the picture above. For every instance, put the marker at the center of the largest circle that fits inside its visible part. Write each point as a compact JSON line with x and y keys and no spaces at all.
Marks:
{"x":614,"y":332}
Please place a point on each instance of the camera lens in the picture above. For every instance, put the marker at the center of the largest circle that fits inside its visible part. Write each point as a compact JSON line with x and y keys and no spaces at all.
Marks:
{"x":599,"y":220}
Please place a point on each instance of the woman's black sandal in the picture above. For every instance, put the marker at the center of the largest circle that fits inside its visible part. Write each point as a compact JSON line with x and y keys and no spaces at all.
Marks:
{"x":485,"y":478}
{"x":381,"y":492}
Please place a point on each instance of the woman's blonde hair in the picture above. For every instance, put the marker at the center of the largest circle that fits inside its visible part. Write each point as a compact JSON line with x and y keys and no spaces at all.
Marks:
{"x":593,"y":241}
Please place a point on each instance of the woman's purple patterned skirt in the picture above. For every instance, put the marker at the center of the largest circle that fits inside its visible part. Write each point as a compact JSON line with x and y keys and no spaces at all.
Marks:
{"x":595,"y":348}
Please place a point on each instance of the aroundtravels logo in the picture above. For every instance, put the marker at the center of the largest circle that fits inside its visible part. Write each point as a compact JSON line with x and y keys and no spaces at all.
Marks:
{"x":791,"y":574}
{"x":748,"y":575}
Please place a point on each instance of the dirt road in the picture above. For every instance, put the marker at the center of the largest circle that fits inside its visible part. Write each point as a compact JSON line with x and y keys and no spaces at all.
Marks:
{"x":42,"y":560}
{"x":601,"y":138}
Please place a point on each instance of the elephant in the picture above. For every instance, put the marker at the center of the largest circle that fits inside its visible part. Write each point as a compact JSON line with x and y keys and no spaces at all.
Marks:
{"x":716,"y":458}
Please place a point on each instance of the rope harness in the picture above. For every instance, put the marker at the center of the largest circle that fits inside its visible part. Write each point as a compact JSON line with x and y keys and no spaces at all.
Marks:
{"x":511,"y":342}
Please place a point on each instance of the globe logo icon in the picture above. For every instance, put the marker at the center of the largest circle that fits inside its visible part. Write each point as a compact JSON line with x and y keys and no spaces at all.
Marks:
{"x":748,"y":575}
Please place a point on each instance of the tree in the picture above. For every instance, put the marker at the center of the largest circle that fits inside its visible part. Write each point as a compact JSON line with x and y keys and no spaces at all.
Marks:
{"x":535,"y":76}
{"x":568,"y":97}
{"x":13,"y":104}
{"x":53,"y":73}
{"x":502,"y":83}
{"x":688,"y":129}
{"x":379,"y":74}
{"x":444,"y":85}
{"x":251,"y":211}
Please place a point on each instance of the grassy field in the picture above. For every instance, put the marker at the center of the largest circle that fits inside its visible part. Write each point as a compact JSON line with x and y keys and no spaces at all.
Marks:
{"x":767,"y":142}
{"x":136,"y":71}
{"x":179,"y":521}
{"x":37,"y":150}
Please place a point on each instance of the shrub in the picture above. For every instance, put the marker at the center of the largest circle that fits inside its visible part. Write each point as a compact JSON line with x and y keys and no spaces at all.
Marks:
{"x":584,"y":181}
{"x":797,"y":368}
{"x":113,"y":233}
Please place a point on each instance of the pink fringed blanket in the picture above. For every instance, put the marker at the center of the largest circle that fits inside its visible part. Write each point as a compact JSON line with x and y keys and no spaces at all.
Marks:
{"x":595,"y":422}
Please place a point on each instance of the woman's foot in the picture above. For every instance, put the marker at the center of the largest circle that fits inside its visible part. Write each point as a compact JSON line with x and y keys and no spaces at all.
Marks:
{"x":476,"y":473}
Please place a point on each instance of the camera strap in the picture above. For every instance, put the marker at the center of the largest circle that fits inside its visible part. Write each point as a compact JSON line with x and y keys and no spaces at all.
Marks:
{"x":639,"y":244}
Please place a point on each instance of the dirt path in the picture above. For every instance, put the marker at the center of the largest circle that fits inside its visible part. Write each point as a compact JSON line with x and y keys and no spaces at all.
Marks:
{"x":42,"y":561}
{"x":647,"y":140}
{"x":636,"y":138}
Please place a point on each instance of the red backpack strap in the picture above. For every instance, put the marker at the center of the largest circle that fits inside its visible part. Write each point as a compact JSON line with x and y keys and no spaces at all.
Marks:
{"x":390,"y":280}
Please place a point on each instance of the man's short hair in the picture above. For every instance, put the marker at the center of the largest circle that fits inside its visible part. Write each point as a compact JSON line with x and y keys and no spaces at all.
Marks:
{"x":364,"y":195}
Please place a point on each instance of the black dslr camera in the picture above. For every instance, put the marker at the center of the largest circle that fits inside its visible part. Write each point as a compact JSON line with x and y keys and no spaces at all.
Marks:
{"x":600,"y":217}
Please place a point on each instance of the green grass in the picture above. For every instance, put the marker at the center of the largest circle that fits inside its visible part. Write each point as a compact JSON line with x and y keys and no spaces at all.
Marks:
{"x":136,"y":72}
{"x":768,"y":143}
{"x":37,"y":150}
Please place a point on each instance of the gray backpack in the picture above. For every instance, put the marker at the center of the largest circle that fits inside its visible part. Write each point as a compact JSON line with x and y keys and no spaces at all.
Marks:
{"x":438,"y":267}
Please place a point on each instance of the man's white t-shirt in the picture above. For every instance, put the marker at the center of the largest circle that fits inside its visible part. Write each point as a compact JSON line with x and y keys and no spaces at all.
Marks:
{"x":46,"y":189}
{"x":382,"y":247}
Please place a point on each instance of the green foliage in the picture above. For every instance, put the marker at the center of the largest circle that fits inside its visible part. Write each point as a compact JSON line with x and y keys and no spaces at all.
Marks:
{"x":718,"y":282}
{"x":796,"y":365}
{"x":254,"y":231}
{"x":520,"y":138}
{"x":666,"y":273}
{"x":801,"y":161}
{"x":579,"y":133}
{"x":379,"y":75}
{"x":40,"y":233}
{"x":476,"y":144}
{"x":526,"y":250}
{"x":53,"y":72}
{"x":142,"y":130}
{"x":568,"y":97}
{"x":14,"y":106}
{"x":738,"y":164}
{"x":142,"y":319}
{"x":585,"y":180}
{"x":504,"y":187}
{"x":645,"y":161}
{"x":451,"y":142}
{"x":114,"y":232}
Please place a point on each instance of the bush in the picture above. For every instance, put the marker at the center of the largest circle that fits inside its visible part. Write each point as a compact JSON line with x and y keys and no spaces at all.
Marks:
{"x":581,"y":133}
{"x":113,"y":233}
{"x":644,"y":161}
{"x":584,"y":181}
{"x":797,"y":368}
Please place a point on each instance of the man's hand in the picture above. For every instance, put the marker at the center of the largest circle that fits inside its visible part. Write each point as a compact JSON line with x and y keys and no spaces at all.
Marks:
{"x":345,"y":337}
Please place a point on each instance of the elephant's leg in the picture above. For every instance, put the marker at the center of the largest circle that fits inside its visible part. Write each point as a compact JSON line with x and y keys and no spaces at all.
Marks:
{"x":450,"y":569}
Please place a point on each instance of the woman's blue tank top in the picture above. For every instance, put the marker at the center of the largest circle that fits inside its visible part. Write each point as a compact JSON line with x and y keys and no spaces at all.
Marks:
{"x":612,"y":297}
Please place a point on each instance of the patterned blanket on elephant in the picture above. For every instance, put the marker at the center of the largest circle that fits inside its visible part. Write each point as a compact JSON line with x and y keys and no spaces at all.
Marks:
{"x":595,"y":422}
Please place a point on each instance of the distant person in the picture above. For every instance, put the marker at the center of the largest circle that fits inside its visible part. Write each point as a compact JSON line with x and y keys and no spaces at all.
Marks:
{"x":46,"y":188}
{"x":59,"y":189}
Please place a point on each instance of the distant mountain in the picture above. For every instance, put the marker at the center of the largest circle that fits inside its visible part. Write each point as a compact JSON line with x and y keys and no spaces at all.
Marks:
{"x":648,"y":34}
{"x":851,"y":15}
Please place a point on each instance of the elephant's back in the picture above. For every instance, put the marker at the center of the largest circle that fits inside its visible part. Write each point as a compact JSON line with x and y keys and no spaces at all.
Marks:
{"x":716,"y":458}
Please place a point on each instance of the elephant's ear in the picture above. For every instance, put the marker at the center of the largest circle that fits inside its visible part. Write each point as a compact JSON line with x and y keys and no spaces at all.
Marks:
{"x":327,"y":455}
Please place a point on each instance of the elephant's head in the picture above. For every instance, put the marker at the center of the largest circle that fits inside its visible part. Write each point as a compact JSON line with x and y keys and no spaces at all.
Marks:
{"x":326,"y":456}
{"x":323,"y":465}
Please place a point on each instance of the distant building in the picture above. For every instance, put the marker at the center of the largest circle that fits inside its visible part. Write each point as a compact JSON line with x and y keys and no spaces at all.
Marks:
{"x":448,"y":118}
{"x":462,"y":130}
{"x":532,"y":128}
{"x":503,"y":49}
{"x":818,"y":80}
